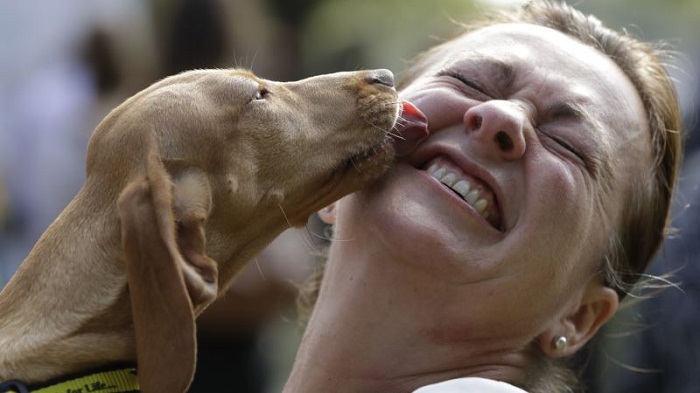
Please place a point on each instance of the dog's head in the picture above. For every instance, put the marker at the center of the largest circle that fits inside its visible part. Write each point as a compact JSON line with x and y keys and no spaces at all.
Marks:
{"x":209,"y":166}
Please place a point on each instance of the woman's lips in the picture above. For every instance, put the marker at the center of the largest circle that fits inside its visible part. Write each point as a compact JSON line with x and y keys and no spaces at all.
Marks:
{"x":472,"y":190}
{"x":410,"y":130}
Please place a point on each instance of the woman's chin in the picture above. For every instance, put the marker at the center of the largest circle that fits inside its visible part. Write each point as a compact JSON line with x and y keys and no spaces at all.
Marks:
{"x":415,"y":226}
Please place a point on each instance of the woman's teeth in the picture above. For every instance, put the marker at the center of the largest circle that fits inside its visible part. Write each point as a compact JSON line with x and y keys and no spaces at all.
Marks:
{"x":461,"y":187}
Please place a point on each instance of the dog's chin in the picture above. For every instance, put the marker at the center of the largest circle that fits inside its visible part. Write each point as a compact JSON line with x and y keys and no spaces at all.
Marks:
{"x":368,"y":165}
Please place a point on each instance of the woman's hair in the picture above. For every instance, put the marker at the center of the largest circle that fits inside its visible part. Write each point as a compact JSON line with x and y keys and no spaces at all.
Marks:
{"x":645,"y":220}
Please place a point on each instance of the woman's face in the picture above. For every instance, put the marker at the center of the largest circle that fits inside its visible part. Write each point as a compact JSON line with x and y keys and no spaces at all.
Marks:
{"x":535,"y":141}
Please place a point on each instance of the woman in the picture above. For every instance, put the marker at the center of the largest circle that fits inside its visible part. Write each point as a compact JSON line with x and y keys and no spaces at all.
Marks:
{"x":504,"y":241}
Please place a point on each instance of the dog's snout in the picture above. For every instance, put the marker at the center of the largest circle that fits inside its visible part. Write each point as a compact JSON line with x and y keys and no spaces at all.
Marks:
{"x":381,"y":77}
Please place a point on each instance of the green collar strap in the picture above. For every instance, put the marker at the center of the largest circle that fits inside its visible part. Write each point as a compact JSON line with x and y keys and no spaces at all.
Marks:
{"x":114,"y":380}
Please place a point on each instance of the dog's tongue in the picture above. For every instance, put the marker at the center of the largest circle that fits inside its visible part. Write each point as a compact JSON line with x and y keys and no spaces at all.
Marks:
{"x":411,"y":129}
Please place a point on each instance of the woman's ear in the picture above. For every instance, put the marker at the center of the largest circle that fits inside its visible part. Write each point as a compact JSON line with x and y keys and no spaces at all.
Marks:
{"x":327,"y":214}
{"x":598,"y":304}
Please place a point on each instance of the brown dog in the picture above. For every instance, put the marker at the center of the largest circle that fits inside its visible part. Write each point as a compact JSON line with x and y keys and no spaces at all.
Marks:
{"x":186,"y":181}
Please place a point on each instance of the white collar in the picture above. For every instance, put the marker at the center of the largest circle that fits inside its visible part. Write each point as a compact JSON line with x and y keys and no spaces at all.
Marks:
{"x":470,"y":385}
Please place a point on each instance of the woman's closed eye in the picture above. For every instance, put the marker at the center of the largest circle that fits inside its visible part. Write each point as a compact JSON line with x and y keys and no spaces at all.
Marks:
{"x":563,"y":115}
{"x":471,"y":84}
{"x":566,"y":147}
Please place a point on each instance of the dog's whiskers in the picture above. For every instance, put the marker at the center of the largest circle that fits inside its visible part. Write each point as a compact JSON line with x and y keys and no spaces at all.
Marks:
{"x":396,"y":135}
{"x":390,"y":132}
{"x":323,"y":237}
{"x":257,"y":264}
{"x":377,"y":127}
{"x":354,"y":164}
{"x":285,"y":216}
{"x":308,"y":242}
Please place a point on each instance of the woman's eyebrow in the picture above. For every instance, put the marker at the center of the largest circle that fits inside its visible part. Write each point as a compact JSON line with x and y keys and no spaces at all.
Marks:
{"x":496,"y":70}
{"x":501,"y":72}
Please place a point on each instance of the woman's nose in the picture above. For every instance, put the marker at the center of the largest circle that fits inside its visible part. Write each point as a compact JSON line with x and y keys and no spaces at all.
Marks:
{"x":500,"y":126}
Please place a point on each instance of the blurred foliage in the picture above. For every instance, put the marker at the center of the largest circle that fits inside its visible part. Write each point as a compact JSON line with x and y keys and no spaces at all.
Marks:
{"x":673,"y":21}
{"x":292,"y":12}
{"x":354,"y":34}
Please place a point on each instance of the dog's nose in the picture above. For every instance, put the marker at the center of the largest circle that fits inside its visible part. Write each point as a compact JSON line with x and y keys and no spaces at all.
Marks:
{"x":381,"y":77}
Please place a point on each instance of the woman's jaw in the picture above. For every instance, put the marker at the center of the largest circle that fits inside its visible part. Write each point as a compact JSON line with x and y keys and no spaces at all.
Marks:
{"x":380,"y":326}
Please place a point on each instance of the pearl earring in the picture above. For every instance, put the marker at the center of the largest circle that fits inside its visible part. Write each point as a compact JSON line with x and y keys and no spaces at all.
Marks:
{"x":559,"y":343}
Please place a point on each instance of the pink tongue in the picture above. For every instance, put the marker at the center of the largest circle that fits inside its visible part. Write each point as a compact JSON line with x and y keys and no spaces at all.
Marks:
{"x":411,"y":129}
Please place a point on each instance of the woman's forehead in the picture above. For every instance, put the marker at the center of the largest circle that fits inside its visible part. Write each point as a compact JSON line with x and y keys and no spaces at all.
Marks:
{"x":513,"y":42}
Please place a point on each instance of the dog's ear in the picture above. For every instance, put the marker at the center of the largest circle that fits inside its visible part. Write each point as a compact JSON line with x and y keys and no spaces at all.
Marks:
{"x":169,"y":276}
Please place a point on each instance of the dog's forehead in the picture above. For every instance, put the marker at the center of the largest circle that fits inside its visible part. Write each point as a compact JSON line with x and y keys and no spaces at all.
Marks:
{"x":246,"y":74}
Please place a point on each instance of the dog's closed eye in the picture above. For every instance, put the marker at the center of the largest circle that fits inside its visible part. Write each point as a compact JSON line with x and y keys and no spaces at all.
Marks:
{"x":261,"y":94}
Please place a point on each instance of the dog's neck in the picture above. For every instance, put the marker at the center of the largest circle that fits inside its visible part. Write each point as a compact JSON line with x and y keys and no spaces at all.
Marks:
{"x":60,"y":285}
{"x":71,"y":293}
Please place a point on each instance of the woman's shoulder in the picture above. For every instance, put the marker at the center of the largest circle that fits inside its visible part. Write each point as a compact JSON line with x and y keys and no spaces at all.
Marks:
{"x":470,"y":385}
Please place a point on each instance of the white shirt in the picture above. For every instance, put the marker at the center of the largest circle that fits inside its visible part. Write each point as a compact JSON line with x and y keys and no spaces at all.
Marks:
{"x":470,"y":385}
